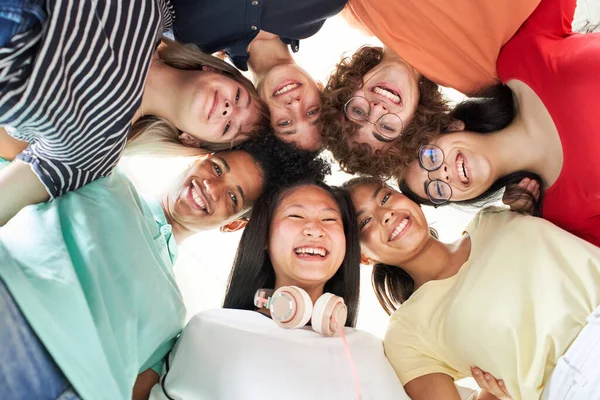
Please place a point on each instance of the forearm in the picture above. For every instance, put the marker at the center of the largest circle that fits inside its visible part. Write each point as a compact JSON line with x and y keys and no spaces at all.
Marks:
{"x":19,"y":187}
{"x":9,"y":146}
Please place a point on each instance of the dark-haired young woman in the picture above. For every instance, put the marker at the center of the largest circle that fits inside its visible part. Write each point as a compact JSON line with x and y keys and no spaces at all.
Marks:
{"x":303,"y":236}
{"x":553,"y":75}
{"x":515,"y":296}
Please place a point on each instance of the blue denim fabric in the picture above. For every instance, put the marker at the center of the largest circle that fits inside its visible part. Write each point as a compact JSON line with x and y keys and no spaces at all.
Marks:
{"x":27,"y":371}
{"x":17,"y":16}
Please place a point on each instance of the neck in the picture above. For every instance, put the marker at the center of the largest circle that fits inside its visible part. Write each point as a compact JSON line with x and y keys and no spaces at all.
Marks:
{"x":266,"y":54}
{"x":437,"y":260}
{"x":515,"y":149}
{"x":390,"y":55}
{"x":180,"y":233}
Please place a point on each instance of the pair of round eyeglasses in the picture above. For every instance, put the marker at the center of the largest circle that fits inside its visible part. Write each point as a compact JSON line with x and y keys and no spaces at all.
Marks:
{"x":431,"y":158}
{"x":358,"y":109}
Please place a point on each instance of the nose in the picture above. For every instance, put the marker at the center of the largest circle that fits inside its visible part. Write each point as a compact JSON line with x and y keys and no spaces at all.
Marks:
{"x":313,"y":230}
{"x":293,"y":100}
{"x":386,"y":216}
{"x":211,"y":188}
{"x":441,"y":173}
{"x":228,"y":109}
{"x":378,"y":109}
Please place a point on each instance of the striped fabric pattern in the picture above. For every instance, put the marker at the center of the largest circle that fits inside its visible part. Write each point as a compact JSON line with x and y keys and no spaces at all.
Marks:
{"x":72,"y":88}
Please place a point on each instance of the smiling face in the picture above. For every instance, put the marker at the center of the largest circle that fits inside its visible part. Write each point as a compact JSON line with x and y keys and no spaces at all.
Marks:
{"x":306,"y":239}
{"x":391,"y":87}
{"x":220,"y":110}
{"x":295,"y":104}
{"x":466,"y":167}
{"x":214,"y":191}
{"x":393,"y":229}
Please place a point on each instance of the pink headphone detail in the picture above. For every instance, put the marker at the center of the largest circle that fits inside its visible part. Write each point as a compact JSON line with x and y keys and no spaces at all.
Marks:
{"x":291,"y":307}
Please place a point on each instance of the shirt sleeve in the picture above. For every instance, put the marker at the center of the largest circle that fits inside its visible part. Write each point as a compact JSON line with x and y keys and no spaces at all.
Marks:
{"x":59,"y":167}
{"x":406,"y":352}
{"x":551,"y":16}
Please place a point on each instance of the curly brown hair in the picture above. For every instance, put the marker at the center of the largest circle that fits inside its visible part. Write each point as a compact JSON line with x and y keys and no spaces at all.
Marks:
{"x":431,"y":117}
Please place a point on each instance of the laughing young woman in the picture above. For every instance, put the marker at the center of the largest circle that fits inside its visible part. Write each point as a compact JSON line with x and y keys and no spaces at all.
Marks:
{"x":304,"y":236}
{"x":489,"y":300}
{"x":75,"y":100}
{"x":426,"y":43}
{"x":549,"y":136}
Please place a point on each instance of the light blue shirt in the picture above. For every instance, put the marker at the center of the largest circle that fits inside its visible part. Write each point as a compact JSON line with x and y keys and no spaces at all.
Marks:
{"x":92,"y":273}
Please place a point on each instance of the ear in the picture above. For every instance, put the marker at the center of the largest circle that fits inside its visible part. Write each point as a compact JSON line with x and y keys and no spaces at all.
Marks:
{"x":208,"y":68}
{"x":235,"y":225}
{"x":366,"y":260}
{"x":189,"y":140}
{"x":456,"y":125}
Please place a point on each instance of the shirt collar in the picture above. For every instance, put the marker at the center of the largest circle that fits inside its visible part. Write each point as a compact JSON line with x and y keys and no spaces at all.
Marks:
{"x":164,"y":228}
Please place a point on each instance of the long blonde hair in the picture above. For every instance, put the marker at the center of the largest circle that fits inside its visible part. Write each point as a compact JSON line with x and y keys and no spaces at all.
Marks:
{"x":157,"y":136}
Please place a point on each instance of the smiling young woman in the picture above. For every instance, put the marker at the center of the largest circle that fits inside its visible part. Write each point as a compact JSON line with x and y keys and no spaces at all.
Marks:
{"x":487,"y":300}
{"x":301,"y":239}
{"x":540,"y":126}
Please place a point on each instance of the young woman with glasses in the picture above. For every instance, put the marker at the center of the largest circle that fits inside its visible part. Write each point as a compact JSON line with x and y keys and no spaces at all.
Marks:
{"x":539,"y":130}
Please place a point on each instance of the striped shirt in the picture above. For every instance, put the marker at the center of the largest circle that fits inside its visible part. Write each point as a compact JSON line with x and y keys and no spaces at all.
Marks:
{"x":72,"y":87}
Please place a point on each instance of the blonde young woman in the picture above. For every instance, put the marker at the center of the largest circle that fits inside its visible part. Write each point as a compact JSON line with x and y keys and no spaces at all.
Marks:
{"x":73,"y":84}
{"x":515,"y":296}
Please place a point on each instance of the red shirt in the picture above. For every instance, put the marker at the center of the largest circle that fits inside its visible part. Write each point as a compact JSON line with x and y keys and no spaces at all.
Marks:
{"x":563,"y":68}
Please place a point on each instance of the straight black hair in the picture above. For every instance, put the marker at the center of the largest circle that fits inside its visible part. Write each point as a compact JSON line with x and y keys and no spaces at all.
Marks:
{"x":252,"y":268}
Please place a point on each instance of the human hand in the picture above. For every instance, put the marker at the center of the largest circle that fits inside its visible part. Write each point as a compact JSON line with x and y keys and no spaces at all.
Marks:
{"x":490,"y":384}
{"x":515,"y":195}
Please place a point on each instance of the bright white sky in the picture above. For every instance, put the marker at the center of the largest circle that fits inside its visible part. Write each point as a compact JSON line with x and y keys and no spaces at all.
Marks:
{"x":205,"y":259}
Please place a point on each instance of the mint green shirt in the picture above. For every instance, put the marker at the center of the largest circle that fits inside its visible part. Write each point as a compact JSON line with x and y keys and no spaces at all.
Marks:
{"x":92,"y":273}
{"x":3,"y":163}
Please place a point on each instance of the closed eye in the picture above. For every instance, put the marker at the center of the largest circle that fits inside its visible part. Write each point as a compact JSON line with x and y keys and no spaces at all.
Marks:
{"x":330,"y":219}
{"x":295,"y":216}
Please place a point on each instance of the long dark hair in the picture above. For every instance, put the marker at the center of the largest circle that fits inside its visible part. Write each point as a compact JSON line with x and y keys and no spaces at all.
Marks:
{"x":252,"y":268}
{"x":491,"y":112}
{"x":392,"y":285}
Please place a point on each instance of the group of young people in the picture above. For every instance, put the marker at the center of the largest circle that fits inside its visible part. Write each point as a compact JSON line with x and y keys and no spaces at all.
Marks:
{"x":89,"y":305}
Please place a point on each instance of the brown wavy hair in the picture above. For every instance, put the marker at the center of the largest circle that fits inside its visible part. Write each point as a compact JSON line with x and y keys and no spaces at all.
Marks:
{"x":431,"y":117}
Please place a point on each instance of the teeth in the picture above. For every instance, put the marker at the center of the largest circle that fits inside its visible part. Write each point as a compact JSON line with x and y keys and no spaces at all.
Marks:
{"x":311,"y":250}
{"x":286,"y":89}
{"x":399,"y":228}
{"x":196,"y":195}
{"x":387,"y":93}
{"x":462,"y":171}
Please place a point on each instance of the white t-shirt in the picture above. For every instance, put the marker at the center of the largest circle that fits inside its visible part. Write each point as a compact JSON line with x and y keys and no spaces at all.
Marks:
{"x":238,"y":354}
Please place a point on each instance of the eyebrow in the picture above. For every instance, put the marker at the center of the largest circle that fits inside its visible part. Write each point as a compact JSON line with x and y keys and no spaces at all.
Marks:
{"x":289,"y":132}
{"x":304,"y":208}
{"x":379,"y":189}
{"x":315,"y":122}
{"x":381,"y":138}
{"x":224,"y":163}
{"x":249,"y":98}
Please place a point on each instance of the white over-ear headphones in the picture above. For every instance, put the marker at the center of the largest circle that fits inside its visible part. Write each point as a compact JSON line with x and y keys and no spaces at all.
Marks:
{"x":292,"y":307}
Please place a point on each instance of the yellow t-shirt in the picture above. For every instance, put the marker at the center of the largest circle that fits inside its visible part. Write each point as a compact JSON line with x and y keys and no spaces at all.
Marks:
{"x":454,"y":43}
{"x":512,"y":309}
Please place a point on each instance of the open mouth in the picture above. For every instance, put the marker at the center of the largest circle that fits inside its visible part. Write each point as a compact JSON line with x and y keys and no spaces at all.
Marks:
{"x":311,"y":253}
{"x":197,"y":198}
{"x":214,"y":105}
{"x":286,"y":87}
{"x":390,"y":94}
{"x":462,"y":171}
{"x":402,"y":226}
